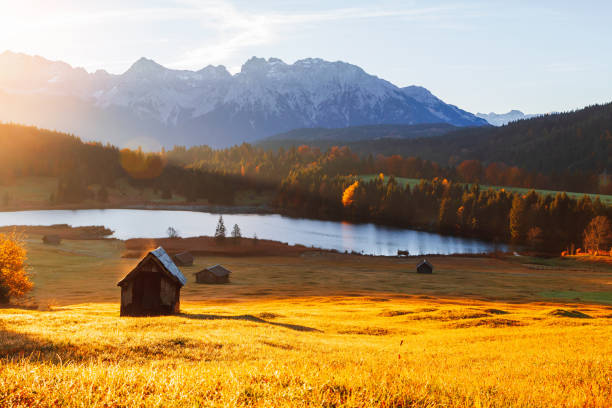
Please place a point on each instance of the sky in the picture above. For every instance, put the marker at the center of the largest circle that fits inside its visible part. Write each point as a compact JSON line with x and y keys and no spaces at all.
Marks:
{"x":483,"y":56}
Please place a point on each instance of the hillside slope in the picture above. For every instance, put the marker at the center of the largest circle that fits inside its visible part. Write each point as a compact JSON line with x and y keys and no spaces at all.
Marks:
{"x":577,"y":141}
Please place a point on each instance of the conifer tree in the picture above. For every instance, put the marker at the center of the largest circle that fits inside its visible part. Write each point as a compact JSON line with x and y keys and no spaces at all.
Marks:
{"x":236,"y":232}
{"x":220,"y":230}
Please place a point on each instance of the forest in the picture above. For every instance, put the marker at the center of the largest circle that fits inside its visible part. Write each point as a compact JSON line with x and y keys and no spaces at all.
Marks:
{"x":307,"y":182}
{"x":569,"y":151}
{"x":29,"y":151}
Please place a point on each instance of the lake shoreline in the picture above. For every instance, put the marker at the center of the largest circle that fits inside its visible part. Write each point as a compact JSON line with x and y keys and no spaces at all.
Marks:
{"x":206,"y":245}
{"x":234,"y":210}
{"x":341,"y":236}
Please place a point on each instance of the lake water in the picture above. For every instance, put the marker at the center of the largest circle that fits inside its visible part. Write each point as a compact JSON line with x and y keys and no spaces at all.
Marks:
{"x":364,"y":238}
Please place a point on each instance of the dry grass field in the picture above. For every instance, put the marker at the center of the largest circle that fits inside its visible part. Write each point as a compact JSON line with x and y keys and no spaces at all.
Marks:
{"x":34,"y":193}
{"x":319,"y":330}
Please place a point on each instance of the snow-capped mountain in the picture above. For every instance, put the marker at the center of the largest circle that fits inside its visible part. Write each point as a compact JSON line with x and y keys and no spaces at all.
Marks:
{"x":500,"y":119}
{"x":209,"y":106}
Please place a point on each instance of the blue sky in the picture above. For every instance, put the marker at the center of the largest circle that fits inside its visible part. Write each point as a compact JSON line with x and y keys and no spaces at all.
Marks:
{"x":537,"y":56}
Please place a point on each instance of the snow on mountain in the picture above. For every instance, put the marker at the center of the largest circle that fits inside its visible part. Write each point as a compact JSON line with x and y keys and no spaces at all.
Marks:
{"x":500,"y":119}
{"x":211,"y":106}
{"x":445,"y":112}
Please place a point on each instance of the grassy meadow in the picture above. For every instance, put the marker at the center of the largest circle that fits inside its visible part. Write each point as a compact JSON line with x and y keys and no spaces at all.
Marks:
{"x":27,"y":193}
{"x":316,"y":330}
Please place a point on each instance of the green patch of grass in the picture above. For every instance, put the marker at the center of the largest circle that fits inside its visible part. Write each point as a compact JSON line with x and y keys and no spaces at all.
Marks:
{"x":562,"y":263}
{"x":404,"y":181}
{"x":30,"y":189}
{"x":124,"y":190}
{"x":600,"y":297}
{"x":252,"y":198}
{"x":552,"y":262}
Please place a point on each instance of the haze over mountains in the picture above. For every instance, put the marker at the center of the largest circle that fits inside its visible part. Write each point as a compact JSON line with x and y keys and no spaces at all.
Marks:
{"x":500,"y":119}
{"x":151,"y":104}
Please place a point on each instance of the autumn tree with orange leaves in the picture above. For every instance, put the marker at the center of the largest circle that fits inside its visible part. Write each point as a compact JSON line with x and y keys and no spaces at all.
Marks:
{"x":598,"y":235}
{"x":348,"y":197}
{"x":14,"y":280}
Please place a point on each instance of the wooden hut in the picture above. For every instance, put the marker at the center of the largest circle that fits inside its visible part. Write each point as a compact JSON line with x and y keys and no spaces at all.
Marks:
{"x":153,"y":287}
{"x":183,"y":259}
{"x":213,"y":274}
{"x":51,"y":239}
{"x":424,"y":267}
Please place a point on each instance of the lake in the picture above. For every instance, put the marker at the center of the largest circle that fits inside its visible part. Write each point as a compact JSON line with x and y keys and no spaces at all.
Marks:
{"x":368,"y":239}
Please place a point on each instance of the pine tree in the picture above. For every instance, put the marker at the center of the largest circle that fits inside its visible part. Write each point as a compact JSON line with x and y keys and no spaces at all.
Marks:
{"x":220,"y":231}
{"x":236,"y":232}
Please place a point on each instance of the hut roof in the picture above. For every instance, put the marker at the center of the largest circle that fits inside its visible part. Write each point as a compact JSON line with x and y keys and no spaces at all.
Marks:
{"x":184,"y":258}
{"x":51,"y":238}
{"x":166,"y":262}
{"x":424,"y":262}
{"x":218,"y":270}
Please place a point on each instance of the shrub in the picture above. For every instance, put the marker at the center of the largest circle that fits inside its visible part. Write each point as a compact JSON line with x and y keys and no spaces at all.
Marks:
{"x":598,"y":235}
{"x":172,"y":232}
{"x":14,"y":280}
{"x":236,"y":234}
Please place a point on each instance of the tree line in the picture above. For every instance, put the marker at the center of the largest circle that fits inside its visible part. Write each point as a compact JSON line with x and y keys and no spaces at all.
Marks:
{"x":29,"y":151}
{"x":262,"y":165}
{"x":544,"y":222}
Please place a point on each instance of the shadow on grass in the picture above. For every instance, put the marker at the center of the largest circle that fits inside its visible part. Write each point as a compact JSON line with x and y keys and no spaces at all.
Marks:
{"x":22,"y":345}
{"x":18,"y":307}
{"x":249,"y":318}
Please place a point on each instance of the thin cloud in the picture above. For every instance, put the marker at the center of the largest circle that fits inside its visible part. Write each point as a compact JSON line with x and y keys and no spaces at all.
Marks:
{"x":225,"y":29}
{"x":237,"y":30}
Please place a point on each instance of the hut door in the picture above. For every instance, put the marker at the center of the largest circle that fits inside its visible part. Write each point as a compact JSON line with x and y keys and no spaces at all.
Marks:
{"x":151,"y":293}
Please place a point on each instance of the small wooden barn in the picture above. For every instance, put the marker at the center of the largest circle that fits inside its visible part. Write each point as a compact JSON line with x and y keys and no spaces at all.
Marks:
{"x":183,"y":259}
{"x":213,"y":274}
{"x":424,"y":267}
{"x":51,"y":239}
{"x":153,"y":287}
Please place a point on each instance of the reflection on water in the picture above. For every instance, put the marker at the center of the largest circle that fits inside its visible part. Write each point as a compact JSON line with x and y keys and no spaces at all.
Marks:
{"x":342,"y":236}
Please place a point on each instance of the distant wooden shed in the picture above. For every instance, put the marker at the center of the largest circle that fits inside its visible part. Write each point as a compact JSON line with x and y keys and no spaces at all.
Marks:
{"x":424,"y":267}
{"x":183,"y":259}
{"x":51,"y":239}
{"x":153,"y":287}
{"x":213,"y":274}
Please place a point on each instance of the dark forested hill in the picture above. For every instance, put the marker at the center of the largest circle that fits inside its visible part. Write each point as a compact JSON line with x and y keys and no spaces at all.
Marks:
{"x":573,"y":141}
{"x":577,"y":141}
{"x":29,"y":151}
{"x":353,"y":136}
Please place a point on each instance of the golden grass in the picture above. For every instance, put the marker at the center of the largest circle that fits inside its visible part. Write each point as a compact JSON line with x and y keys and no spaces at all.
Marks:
{"x":87,"y":271}
{"x":307,"y":352}
{"x":319,"y":330}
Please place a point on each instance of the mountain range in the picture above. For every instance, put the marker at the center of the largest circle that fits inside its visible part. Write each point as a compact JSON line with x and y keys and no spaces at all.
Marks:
{"x":151,"y":105}
{"x":500,"y":119}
